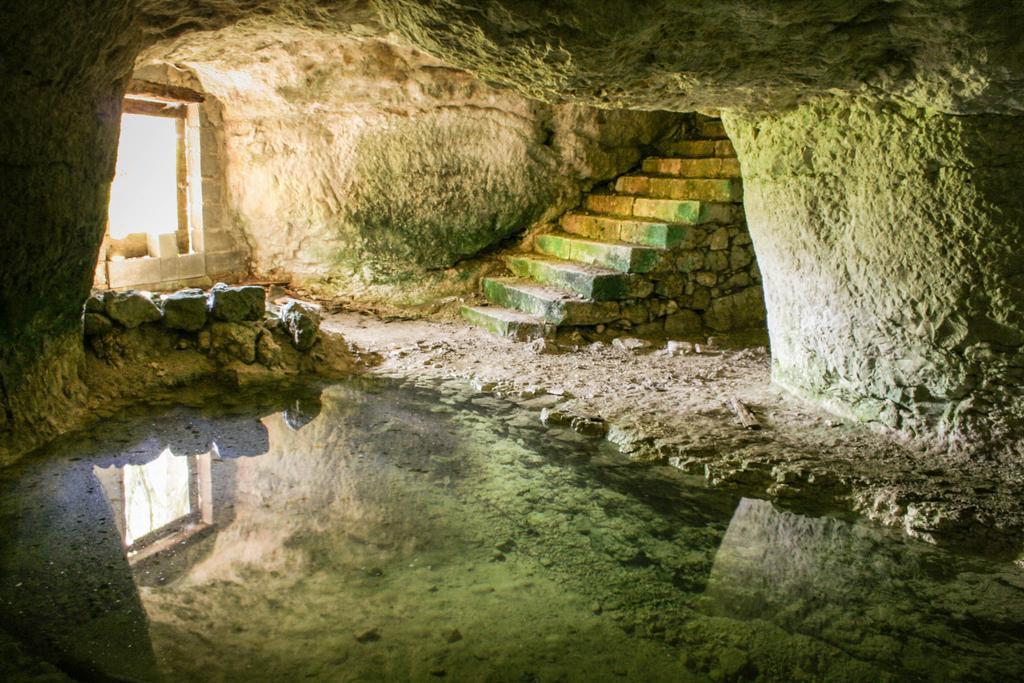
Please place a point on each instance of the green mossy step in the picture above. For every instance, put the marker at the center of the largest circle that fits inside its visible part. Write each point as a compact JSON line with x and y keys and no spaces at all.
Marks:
{"x":694,"y":189}
{"x":700,"y":148}
{"x":670,"y":210}
{"x":625,"y":258}
{"x":556,"y":306}
{"x":711,"y":167}
{"x":506,"y":322}
{"x":590,"y":282}
{"x":612,"y":229}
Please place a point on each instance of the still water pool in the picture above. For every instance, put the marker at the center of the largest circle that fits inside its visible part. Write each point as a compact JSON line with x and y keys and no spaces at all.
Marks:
{"x":375,"y":531}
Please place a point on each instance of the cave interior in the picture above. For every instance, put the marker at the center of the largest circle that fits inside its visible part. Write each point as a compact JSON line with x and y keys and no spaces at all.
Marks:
{"x":774,"y":248}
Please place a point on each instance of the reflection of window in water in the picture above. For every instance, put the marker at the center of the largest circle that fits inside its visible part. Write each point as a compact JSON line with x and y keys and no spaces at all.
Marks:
{"x":160,"y":503}
{"x":155,"y":494}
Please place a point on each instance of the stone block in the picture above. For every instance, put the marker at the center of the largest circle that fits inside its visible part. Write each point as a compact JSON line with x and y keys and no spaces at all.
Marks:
{"x":302,"y":320}
{"x":741,"y":310}
{"x":506,"y":322}
{"x":590,"y":282}
{"x":690,"y":261}
{"x":191,"y":266}
{"x":711,"y":167}
{"x":717,"y":261}
{"x":132,"y":308}
{"x":621,"y":257}
{"x":613,"y":204}
{"x":234,"y":341}
{"x":551,"y":304}
{"x":740,"y":257}
{"x":683,"y":323}
{"x":608,"y":228}
{"x":133,"y":272}
{"x":694,"y":189}
{"x":700,"y":298}
{"x":162,"y":246}
{"x":234,"y":304}
{"x":219,"y":240}
{"x":719,"y":240}
{"x":737,"y":280}
{"x":96,"y":324}
{"x":185,"y":310}
{"x":223,"y":263}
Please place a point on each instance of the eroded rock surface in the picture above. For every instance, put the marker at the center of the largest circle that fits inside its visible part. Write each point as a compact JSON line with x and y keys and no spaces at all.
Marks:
{"x":950,"y":60}
{"x":885,"y":235}
{"x":355,"y":163}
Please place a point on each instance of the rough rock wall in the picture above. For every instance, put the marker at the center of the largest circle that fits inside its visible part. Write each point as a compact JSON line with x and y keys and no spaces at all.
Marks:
{"x":354,"y":161}
{"x":64,"y":67}
{"x":64,"y":70}
{"x":889,"y":239}
{"x":955,"y":55}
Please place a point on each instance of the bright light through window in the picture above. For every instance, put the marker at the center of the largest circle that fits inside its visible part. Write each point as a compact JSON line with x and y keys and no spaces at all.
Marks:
{"x":144,"y":196}
{"x":155,"y":494}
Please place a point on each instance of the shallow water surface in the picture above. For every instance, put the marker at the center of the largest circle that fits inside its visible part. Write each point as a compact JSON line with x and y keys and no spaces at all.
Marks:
{"x":385,"y":532}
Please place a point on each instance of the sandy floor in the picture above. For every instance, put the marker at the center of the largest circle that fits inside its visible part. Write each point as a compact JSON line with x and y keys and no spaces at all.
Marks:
{"x":675,"y":408}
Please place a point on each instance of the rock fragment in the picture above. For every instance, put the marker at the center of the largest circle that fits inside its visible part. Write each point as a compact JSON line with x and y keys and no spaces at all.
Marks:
{"x":268,"y":351}
{"x":629,"y":344}
{"x":235,"y":304}
{"x":185,"y":310}
{"x":302,"y":320}
{"x":233,"y":341}
{"x":96,"y":324}
{"x":96,"y":304}
{"x":132,"y":308}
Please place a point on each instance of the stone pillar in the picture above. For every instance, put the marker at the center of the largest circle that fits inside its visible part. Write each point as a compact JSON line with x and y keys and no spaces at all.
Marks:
{"x":891,"y":242}
{"x":65,"y":70}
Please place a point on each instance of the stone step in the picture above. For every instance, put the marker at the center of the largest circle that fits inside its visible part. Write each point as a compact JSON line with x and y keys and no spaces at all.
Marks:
{"x":668,"y":187}
{"x":625,"y":258}
{"x":711,"y":167}
{"x":590,"y":282}
{"x":556,"y":306}
{"x":700,"y":148}
{"x":671,"y":210}
{"x":710,"y":128}
{"x":506,"y":322}
{"x":614,"y":229}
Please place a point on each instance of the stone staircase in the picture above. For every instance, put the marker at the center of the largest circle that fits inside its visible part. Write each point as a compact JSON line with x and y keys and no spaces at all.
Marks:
{"x":653,"y":255}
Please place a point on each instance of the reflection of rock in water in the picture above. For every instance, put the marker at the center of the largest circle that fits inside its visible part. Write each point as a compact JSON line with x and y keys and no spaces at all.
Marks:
{"x":900,"y":604}
{"x":301,"y":412}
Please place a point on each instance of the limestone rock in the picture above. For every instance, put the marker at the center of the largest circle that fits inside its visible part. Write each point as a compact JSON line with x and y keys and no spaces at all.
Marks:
{"x":683,"y":323}
{"x":233,"y":341}
{"x":185,"y":310}
{"x":629,"y":344}
{"x":96,"y":303}
{"x":268,"y":351}
{"x":736,"y":311}
{"x":541,"y":346}
{"x":678,"y":348}
{"x":96,"y":324}
{"x":235,"y":304}
{"x":132,"y":308}
{"x":302,"y":320}
{"x":411,"y":166}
